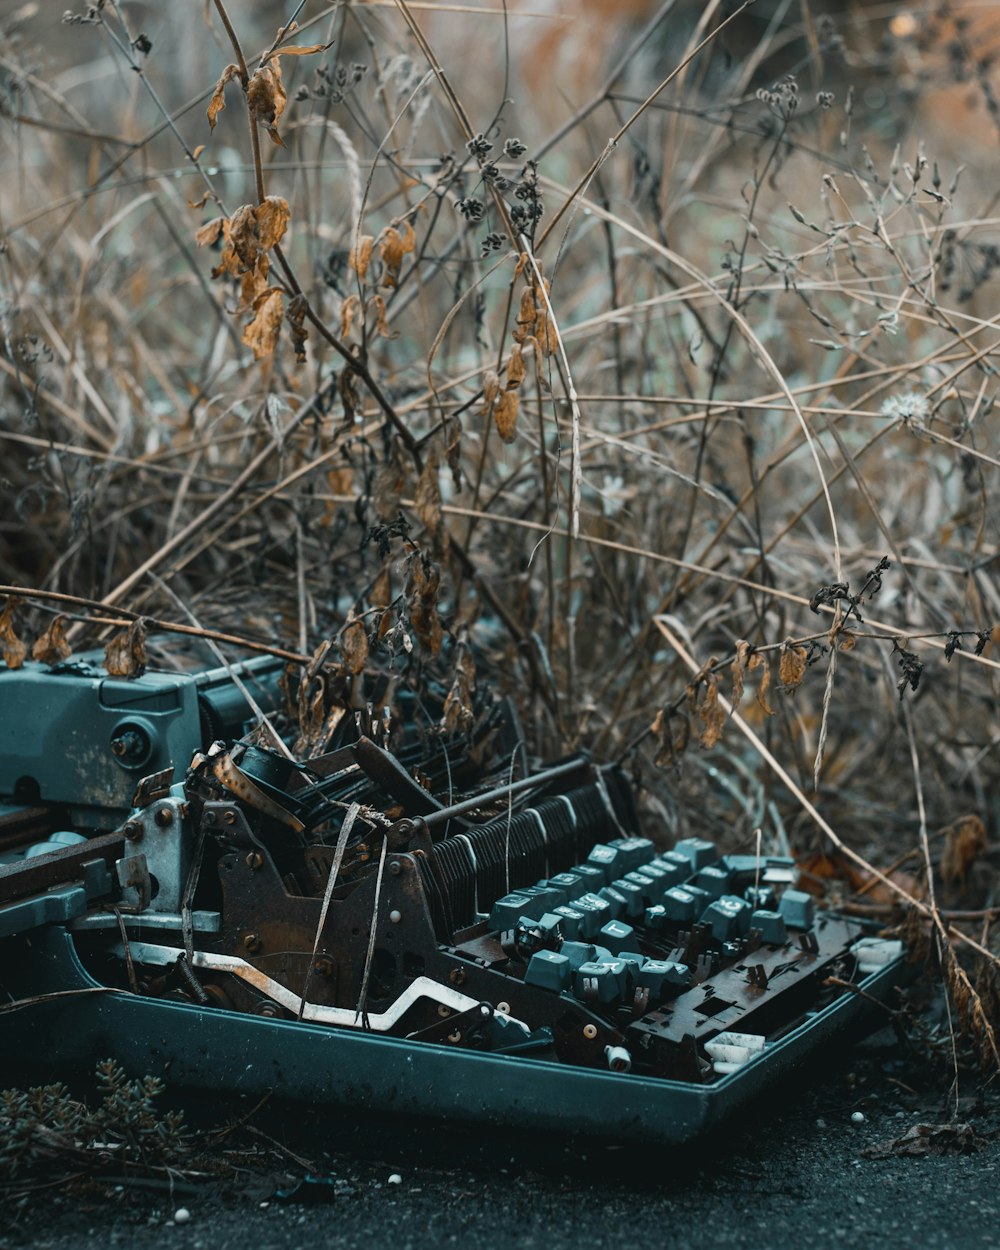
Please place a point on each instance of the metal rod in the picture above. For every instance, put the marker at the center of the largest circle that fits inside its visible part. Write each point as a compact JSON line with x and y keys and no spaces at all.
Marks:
{"x":526,"y":783}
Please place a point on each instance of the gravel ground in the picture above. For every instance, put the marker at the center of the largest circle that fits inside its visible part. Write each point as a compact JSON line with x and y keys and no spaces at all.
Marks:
{"x":791,"y":1173}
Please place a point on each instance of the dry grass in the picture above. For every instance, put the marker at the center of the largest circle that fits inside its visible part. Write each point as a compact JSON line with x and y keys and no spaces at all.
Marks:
{"x":746,"y":351}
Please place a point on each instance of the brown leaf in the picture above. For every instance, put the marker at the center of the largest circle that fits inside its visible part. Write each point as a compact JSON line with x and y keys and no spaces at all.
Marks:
{"x":273,"y":216}
{"x":209,"y":232}
{"x":710,"y":713}
{"x":52,"y":646}
{"x":261,"y":334}
{"x":243,"y":235}
{"x":527,"y":316}
{"x":847,"y":640}
{"x":792,"y":665}
{"x":759,"y":661}
{"x":266,"y":98}
{"x":253,"y":283}
{"x":387,"y":489}
{"x":361,"y":255}
{"x":298,"y":306}
{"x":516,"y":369}
{"x":295,"y":50}
{"x":491,"y":389}
{"x":354,"y":647}
{"x":965,"y":841}
{"x":458,"y":710}
{"x":428,"y":499}
{"x":505,"y":415}
{"x":218,"y":100}
{"x":125,"y":653}
{"x":738,"y":669}
{"x":424,"y":580}
{"x":11,"y":647}
{"x":390,"y":248}
{"x":380,"y":594}
{"x":672,"y":732}
{"x":381,"y":326}
{"x":348,"y":309}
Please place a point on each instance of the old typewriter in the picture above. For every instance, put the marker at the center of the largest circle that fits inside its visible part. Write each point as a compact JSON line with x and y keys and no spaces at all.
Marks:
{"x":407,"y":923}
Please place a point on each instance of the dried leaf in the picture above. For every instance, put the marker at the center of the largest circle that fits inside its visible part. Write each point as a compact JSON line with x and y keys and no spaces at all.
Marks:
{"x":847,"y":640}
{"x":298,"y":306}
{"x":428,"y":498}
{"x":243,"y":235}
{"x":526,"y":317}
{"x":965,"y":841}
{"x":361,"y":255}
{"x":294,"y":50}
{"x":52,"y":646}
{"x":672,"y":731}
{"x":738,"y":669}
{"x":209,"y":232}
{"x":381,"y":326}
{"x":710,"y":712}
{"x":505,"y":415}
{"x":266,"y":98}
{"x":516,"y":369}
{"x":380,"y":594}
{"x":387,"y":489}
{"x":12,"y":648}
{"x":348,"y":309}
{"x":390,"y":249}
{"x":125,"y":654}
{"x":218,"y":100}
{"x":458,"y":710}
{"x":792,"y":665}
{"x":354,"y":647}
{"x":261,"y":334}
{"x":273,"y":216}
{"x":491,"y":389}
{"x":422,"y":591}
{"x":759,"y":661}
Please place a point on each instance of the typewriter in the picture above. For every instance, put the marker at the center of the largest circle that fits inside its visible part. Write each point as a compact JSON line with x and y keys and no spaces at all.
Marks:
{"x":406,"y":924}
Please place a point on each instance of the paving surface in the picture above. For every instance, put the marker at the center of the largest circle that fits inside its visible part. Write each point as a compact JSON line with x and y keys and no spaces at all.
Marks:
{"x":790,"y":1174}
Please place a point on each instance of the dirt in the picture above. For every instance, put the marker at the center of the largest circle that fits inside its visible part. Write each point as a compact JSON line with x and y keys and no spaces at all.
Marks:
{"x":791,"y":1173}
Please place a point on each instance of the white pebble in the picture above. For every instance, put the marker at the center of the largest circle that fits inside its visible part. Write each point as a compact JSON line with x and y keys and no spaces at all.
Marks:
{"x":395,"y":1179}
{"x":821,"y":1123}
{"x":857,"y":1117}
{"x":182,"y":1215}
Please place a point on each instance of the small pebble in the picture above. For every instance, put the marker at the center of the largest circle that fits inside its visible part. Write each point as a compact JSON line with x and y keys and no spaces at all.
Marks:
{"x":857,"y":1117}
{"x":395,"y":1179}
{"x":821,"y":1123}
{"x":182,"y":1215}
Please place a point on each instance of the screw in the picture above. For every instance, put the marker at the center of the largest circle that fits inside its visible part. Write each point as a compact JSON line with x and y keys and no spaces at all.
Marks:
{"x":255,"y":860}
{"x":164,"y":817}
{"x":395,"y":867}
{"x":267,"y":1009}
{"x":395,"y":917}
{"x":323,"y":967}
{"x":229,"y":817}
{"x":252,"y":942}
{"x":444,"y":1012}
{"x":457,"y":976}
{"x":133,"y":830}
{"x":590,"y":1031}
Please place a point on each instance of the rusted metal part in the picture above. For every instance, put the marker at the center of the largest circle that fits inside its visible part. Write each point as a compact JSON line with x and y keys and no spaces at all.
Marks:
{"x":32,"y":876}
{"x":233,"y":779}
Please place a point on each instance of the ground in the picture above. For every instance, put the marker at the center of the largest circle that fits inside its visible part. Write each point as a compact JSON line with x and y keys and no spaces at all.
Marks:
{"x":793,"y":1172}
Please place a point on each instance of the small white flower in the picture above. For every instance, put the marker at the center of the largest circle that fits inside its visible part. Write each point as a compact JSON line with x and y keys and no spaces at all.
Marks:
{"x":912,"y":408}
